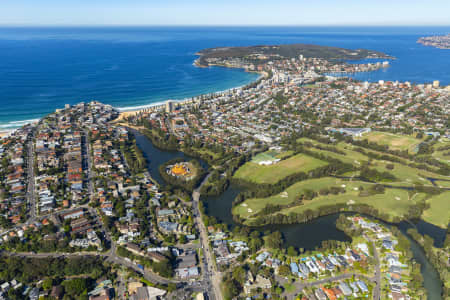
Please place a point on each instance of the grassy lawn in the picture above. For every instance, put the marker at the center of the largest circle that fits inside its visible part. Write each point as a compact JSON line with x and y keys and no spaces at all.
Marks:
{"x":439,"y":211}
{"x":442,"y":183}
{"x":289,"y":287}
{"x":273,"y":173}
{"x":207,"y":152}
{"x":406,"y":175}
{"x":394,"y":202}
{"x":351,"y":157}
{"x":441,"y":155}
{"x":254,"y":205}
{"x":393,"y":141}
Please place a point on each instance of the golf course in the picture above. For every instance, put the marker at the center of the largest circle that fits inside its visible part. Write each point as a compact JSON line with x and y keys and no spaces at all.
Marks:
{"x":409,"y":186}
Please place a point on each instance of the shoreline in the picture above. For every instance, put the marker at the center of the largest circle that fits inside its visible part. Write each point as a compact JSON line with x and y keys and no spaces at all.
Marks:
{"x":126,"y":112}
{"x":5,"y":133}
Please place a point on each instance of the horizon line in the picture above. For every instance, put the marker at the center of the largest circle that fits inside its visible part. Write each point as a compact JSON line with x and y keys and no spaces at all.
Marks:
{"x":221,"y":25}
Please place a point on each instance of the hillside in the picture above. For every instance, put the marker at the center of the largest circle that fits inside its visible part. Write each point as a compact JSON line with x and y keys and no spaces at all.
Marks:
{"x":264,"y":53}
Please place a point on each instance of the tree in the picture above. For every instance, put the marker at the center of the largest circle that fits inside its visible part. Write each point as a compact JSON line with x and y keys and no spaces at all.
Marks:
{"x":47,"y":284}
{"x":274,"y":240}
{"x":75,"y":287}
{"x":292,"y":251}
{"x":255,"y":244}
{"x":171,"y":287}
{"x":239,"y":274}
{"x":231,"y":288}
{"x":183,"y":239}
{"x":284,"y":270}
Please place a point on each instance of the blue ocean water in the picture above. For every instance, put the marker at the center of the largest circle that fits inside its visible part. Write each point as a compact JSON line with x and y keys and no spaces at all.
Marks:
{"x":42,"y":69}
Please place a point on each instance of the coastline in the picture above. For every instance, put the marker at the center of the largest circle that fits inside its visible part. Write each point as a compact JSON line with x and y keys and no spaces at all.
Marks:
{"x":133,"y":110}
{"x":4,"y":133}
{"x":126,"y":112}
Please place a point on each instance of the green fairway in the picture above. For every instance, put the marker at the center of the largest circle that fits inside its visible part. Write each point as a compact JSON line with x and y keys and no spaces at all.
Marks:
{"x":273,"y":173}
{"x":394,"y":202}
{"x":393,"y":141}
{"x":442,"y":155}
{"x":351,"y":157}
{"x":406,"y":176}
{"x":439,"y":211}
{"x":254,"y":205}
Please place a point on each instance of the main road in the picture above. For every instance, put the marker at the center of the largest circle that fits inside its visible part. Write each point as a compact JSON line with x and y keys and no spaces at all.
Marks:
{"x":377,"y":290}
{"x":210,"y":272}
{"x":31,"y":195}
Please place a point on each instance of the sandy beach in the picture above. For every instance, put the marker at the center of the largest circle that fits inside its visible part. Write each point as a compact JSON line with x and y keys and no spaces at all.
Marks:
{"x":4,"y":133}
{"x":125,"y":114}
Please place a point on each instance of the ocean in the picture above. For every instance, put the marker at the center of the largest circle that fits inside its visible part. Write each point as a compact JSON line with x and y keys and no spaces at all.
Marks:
{"x":42,"y":69}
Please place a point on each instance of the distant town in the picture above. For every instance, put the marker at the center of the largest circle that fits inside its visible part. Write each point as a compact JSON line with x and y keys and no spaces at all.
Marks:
{"x":83,"y":216}
{"x":439,"y":41}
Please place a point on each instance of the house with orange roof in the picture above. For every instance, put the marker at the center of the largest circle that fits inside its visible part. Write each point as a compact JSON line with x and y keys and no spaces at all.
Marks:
{"x":330,"y":294}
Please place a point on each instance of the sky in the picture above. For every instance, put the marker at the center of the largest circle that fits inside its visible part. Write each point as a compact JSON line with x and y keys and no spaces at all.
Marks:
{"x":229,"y":12}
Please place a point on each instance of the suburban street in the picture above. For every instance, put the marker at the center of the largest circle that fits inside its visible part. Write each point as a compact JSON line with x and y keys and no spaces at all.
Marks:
{"x":210,"y":273}
{"x":377,"y":290}
{"x":299,"y":285}
{"x":31,"y":197}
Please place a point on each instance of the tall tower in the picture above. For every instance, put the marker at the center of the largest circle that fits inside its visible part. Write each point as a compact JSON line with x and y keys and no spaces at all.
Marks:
{"x":169,"y":106}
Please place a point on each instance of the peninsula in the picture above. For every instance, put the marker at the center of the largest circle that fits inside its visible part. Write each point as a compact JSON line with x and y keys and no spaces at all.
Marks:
{"x":264,"y":53}
{"x":438,"y":41}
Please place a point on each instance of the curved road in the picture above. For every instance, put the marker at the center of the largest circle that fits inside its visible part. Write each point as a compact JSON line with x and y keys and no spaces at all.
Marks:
{"x":110,"y":257}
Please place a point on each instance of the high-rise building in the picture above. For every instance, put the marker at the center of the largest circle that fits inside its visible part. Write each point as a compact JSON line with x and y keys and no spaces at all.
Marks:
{"x":169,"y":106}
{"x":436,"y":83}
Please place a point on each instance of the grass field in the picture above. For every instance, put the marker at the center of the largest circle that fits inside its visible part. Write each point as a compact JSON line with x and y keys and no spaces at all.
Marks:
{"x":288,"y":196}
{"x":207,"y":152}
{"x":439,"y":211}
{"x":273,"y":173}
{"x":394,"y":202}
{"x":393,"y":141}
{"x":407,"y":176}
{"x":442,"y":154}
{"x":270,"y":156}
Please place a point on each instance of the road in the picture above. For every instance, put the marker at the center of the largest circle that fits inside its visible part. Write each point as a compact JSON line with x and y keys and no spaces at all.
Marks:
{"x":31,"y":195}
{"x":110,"y":257}
{"x":90,"y":184}
{"x":90,"y":177}
{"x":377,"y":290}
{"x":210,"y":272}
{"x":121,"y":286}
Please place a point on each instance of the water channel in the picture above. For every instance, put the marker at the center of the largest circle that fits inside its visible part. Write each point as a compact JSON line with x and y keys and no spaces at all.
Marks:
{"x":308,"y":235}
